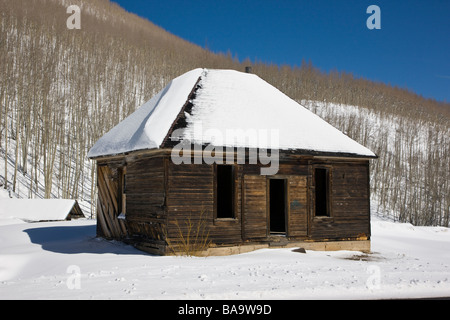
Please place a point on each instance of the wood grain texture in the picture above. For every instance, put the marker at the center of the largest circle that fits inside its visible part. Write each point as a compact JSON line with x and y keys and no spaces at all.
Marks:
{"x":164,"y":200}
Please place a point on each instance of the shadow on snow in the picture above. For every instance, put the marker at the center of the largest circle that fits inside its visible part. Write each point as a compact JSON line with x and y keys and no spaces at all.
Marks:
{"x":76,"y":239}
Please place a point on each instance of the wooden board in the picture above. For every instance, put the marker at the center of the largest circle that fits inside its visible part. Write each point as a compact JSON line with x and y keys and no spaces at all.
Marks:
{"x":297,"y":206}
{"x":108,"y":204}
{"x":350,"y":210}
{"x":254,"y":207}
{"x":146,"y":197}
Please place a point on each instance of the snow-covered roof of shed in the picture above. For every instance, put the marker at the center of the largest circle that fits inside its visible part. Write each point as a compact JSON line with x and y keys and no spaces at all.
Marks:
{"x":225,"y":101}
{"x":34,"y":210}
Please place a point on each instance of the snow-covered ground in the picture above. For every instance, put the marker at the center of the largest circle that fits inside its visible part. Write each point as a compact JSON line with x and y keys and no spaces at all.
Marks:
{"x":64,"y":260}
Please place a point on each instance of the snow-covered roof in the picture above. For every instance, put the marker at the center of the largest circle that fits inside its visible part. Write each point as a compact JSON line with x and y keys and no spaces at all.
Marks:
{"x":33,"y":210}
{"x":225,"y":101}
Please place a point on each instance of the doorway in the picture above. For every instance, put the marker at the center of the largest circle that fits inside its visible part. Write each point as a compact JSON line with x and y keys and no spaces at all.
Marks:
{"x":277,"y":200}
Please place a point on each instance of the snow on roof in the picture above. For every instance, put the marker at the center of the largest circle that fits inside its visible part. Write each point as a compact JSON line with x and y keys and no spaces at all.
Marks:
{"x":147,"y":127}
{"x":33,"y":210}
{"x":226,"y":101}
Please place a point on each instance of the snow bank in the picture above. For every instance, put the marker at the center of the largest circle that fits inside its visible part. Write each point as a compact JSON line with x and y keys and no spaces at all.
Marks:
{"x":41,"y":261}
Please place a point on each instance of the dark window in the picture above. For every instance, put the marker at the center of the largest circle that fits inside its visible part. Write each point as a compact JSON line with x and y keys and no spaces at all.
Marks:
{"x":225,"y":191}
{"x":322,"y":196}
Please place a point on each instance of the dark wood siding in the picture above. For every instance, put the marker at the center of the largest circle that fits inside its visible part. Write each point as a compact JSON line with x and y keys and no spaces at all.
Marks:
{"x":161,"y":199}
{"x":298,"y":206}
{"x":350,"y":212}
{"x":189,"y":200}
{"x":191,"y":195}
{"x":108,"y":225}
{"x":254,"y":207}
{"x":145,"y":198}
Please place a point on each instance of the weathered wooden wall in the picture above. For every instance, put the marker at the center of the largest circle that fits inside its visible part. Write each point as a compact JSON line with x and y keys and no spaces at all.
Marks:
{"x":191,"y":197}
{"x":254,"y":207}
{"x":297,"y":206}
{"x":164,"y":199}
{"x":256,"y":190}
{"x":145,"y":197}
{"x":191,"y":191}
{"x":108,"y":225}
{"x":350,"y":207}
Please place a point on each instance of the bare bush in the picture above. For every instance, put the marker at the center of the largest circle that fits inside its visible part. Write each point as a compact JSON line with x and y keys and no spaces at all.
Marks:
{"x":192,"y":236}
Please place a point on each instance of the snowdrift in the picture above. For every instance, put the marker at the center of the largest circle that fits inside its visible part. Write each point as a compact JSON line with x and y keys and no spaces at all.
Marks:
{"x":64,"y":260}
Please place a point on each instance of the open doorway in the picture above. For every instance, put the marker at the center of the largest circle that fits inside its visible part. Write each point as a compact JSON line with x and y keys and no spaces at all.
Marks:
{"x":277,"y":206}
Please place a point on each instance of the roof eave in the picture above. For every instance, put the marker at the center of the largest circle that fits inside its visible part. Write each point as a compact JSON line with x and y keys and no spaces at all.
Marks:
{"x":329,"y":154}
{"x":294,"y":152}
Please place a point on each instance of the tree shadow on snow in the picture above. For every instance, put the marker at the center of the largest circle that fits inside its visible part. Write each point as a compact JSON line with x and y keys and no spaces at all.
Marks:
{"x":76,"y":239}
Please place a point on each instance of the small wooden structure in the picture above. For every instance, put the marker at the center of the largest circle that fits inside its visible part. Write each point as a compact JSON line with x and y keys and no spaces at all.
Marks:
{"x":40,"y":210}
{"x":317,"y":199}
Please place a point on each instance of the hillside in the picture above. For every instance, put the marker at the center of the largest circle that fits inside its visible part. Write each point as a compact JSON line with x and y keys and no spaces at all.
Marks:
{"x":61,"y":89}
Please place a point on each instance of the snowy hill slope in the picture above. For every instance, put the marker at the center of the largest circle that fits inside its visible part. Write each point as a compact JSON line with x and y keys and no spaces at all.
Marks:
{"x":410,"y":179}
{"x":64,"y":260}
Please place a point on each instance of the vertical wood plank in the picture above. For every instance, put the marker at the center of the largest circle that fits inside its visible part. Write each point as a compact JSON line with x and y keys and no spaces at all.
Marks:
{"x":298,"y":206}
{"x":254,"y":204}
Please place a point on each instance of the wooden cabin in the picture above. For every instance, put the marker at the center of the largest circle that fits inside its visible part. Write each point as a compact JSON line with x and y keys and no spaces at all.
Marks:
{"x":192,"y":158}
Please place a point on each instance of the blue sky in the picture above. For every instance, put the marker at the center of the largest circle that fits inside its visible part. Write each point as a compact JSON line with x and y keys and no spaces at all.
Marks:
{"x":411,"y":50}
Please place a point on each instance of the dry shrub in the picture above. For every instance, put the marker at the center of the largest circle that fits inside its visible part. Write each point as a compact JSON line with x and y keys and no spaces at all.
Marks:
{"x":192,"y":236}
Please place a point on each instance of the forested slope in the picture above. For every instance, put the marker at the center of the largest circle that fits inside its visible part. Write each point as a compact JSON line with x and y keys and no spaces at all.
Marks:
{"x":61,"y":89}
